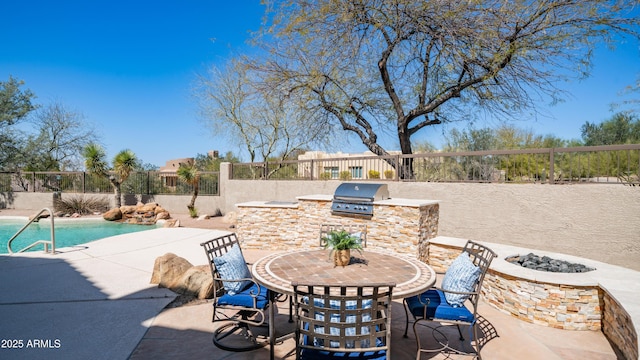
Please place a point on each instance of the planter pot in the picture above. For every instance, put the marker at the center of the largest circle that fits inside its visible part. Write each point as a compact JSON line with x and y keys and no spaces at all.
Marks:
{"x":341,"y":257}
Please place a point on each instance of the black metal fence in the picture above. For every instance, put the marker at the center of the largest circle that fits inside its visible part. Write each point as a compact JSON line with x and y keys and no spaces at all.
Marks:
{"x":141,"y":183}
{"x":589,"y":164}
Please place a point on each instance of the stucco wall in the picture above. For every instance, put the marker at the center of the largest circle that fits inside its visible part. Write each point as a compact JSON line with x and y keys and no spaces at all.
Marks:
{"x":594,"y":221}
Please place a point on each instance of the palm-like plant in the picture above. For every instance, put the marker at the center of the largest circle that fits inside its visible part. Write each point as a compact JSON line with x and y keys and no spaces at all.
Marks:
{"x":94,"y":159}
{"x":124,"y":163}
{"x":189,"y":173}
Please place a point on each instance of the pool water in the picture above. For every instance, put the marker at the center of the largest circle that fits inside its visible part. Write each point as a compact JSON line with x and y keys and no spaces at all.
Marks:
{"x":67,"y":232}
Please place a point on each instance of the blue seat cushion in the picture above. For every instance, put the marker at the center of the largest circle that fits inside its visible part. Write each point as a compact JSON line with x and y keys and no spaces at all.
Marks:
{"x":438,"y":307}
{"x":245,"y":298}
{"x":313,"y":354}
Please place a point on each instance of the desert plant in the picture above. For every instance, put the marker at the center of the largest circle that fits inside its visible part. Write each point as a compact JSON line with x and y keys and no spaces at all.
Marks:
{"x":345,"y":175}
{"x":325,"y":175}
{"x":81,"y":204}
{"x":193,"y":212}
{"x":374,"y":174}
{"x":388,"y":174}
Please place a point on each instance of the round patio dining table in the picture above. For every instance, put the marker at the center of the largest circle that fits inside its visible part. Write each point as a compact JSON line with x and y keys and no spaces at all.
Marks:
{"x":277,"y":271}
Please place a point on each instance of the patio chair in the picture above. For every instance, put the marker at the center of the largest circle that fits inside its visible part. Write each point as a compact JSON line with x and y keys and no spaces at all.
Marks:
{"x":342,"y":321}
{"x":239,"y":303}
{"x":446,"y":305}
{"x":359,"y":230}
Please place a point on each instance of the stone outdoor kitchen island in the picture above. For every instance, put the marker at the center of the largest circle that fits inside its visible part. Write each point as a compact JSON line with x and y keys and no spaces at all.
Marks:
{"x":402,"y":226}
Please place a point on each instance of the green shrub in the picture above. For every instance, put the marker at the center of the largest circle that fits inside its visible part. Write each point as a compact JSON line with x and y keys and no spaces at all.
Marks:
{"x":373,"y":174}
{"x":325,"y":175}
{"x":345,"y":175}
{"x":388,"y":174}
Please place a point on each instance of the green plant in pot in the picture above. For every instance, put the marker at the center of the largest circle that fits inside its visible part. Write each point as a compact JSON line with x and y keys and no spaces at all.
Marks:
{"x":341,"y":243}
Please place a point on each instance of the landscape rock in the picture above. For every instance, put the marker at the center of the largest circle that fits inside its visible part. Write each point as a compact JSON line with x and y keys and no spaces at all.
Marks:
{"x":113,"y":215}
{"x":180,"y":276}
{"x":196,"y":281}
{"x":168,"y":269}
{"x":128,"y":209}
{"x":163,"y":215}
{"x":230,"y":218}
{"x":141,"y":214}
{"x":169,"y":223}
{"x":149,"y":207}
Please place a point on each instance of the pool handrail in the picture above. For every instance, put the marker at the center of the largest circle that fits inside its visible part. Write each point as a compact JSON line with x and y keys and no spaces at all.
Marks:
{"x":46,"y":243}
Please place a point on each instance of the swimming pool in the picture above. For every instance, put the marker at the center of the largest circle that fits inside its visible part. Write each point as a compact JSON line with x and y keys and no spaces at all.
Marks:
{"x":69,"y":232}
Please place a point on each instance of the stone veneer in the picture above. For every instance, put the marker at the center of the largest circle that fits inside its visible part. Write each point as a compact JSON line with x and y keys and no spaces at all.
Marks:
{"x":618,"y":327}
{"x":409,"y":228}
{"x":560,"y":306}
{"x":399,"y":225}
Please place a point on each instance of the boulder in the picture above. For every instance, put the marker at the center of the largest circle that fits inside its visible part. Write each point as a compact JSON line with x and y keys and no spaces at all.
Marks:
{"x":169,"y":223}
{"x":230,"y":218}
{"x":162,"y":215}
{"x":168,"y":268}
{"x":128,"y":209}
{"x":196,"y":281}
{"x":149,"y":207}
{"x":113,"y":214}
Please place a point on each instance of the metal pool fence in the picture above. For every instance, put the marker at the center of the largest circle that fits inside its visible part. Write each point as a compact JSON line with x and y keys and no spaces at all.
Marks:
{"x":618,"y":164}
{"x":589,"y":164}
{"x":145,"y":183}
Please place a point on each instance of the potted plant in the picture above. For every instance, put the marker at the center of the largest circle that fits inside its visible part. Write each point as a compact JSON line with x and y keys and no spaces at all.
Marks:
{"x":341,"y":242}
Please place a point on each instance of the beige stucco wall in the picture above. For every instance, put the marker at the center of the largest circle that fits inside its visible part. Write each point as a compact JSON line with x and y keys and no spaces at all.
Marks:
{"x":594,"y":221}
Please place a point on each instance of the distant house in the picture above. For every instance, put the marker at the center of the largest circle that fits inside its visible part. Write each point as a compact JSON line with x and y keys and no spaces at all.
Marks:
{"x":168,"y":173}
{"x":345,"y":166}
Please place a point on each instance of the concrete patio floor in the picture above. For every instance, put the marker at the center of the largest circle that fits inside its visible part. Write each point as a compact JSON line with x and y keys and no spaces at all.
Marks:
{"x":95,"y":301}
{"x":186,"y":332}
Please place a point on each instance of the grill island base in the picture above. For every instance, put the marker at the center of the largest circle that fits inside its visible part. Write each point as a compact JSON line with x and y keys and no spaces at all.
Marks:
{"x":400,"y":225}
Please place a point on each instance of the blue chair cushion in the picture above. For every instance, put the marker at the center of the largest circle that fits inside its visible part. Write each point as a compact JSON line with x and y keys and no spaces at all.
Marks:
{"x":245,"y":298}
{"x":438,"y":307}
{"x":461,"y":275}
{"x":313,"y":354}
{"x":232,"y":266}
{"x":335,"y":317}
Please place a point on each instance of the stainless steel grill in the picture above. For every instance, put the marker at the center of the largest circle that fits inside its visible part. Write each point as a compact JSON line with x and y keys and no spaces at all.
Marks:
{"x":356,"y":199}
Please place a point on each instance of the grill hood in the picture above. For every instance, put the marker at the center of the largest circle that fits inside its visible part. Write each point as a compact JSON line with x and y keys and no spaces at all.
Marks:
{"x":357,"y":198}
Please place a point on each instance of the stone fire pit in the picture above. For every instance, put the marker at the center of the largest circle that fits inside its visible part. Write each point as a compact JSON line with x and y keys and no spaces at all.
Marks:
{"x":545,"y":263}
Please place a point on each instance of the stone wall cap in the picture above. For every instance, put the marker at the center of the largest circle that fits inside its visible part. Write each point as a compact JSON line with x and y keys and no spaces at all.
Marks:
{"x":316,"y":197}
{"x":406,"y":202}
{"x":269,"y":204}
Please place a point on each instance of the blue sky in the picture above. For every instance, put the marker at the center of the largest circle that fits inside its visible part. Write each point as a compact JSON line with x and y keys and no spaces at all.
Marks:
{"x":128,"y":67}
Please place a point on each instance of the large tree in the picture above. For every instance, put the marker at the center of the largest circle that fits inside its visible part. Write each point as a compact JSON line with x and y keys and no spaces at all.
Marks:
{"x":408,"y":64}
{"x":15,"y":105}
{"x":260,"y":119}
{"x":61,"y":136}
{"x":621,"y":128}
